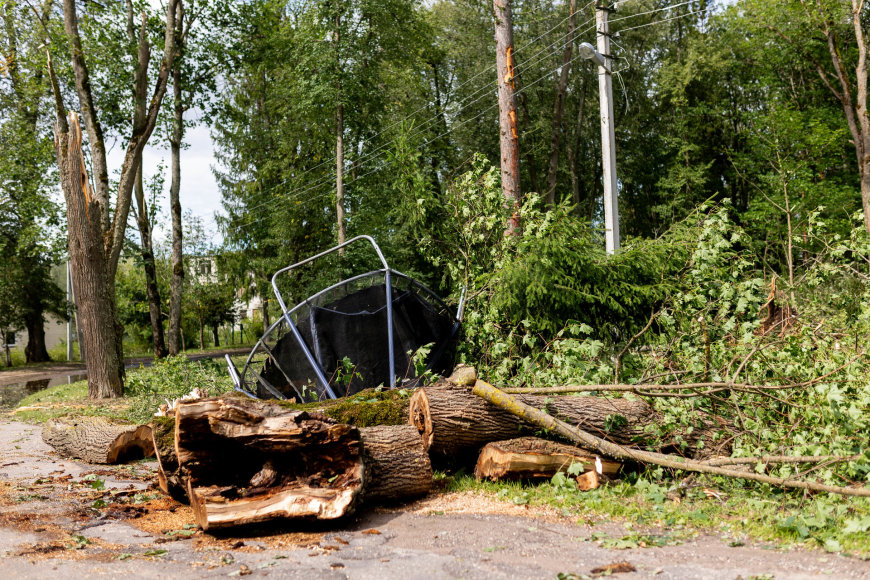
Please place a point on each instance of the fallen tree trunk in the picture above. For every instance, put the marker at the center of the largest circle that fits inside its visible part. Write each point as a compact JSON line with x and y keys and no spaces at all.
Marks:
{"x":514,"y":406}
{"x":397,"y":465}
{"x":251,"y":461}
{"x":452,"y":420}
{"x":532,"y":457}
{"x":97,"y":440}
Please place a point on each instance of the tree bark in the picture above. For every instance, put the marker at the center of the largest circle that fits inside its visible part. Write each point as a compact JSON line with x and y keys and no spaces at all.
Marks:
{"x":251,"y":461}
{"x":96,"y":440}
{"x":176,"y":282}
{"x":397,"y":465}
{"x":558,"y":106}
{"x":95,"y":269}
{"x":94,"y":292}
{"x":532,"y":457}
{"x":339,"y":136}
{"x":452,"y":422}
{"x":574,"y":151}
{"x":507,"y":105}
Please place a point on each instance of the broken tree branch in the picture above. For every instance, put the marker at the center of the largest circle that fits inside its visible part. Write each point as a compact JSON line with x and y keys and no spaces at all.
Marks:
{"x":593,"y":443}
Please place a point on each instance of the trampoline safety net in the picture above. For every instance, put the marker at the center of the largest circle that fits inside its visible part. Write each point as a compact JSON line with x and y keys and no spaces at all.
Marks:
{"x":348,"y":338}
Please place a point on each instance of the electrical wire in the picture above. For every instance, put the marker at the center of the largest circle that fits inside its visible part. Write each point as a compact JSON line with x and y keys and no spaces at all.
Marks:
{"x":377,"y":169}
{"x":379,"y":152}
{"x":435,"y":117}
{"x":663,"y":20}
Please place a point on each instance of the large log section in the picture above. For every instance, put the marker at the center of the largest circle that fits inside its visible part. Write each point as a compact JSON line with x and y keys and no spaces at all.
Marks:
{"x":242,"y":461}
{"x":251,"y":461}
{"x":97,"y":440}
{"x":452,"y":420}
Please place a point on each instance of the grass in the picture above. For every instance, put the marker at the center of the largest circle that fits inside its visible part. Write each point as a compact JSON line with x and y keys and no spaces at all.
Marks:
{"x":57,"y":354}
{"x":736,"y":512}
{"x":146,"y":388}
{"x":657,"y":507}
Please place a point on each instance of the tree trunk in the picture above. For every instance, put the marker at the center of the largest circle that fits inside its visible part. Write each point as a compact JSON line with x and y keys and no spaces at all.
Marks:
{"x":94,"y":292}
{"x":531,"y":458}
{"x":35,"y":350}
{"x":251,"y":461}
{"x":452,"y":420}
{"x":201,"y":334}
{"x":267,"y":321}
{"x":507,"y":105}
{"x":151,"y":290}
{"x":574,"y":152}
{"x":96,"y":440}
{"x":397,"y":465}
{"x":215,"y":335}
{"x":339,"y":137}
{"x":558,"y":106}
{"x":176,"y":282}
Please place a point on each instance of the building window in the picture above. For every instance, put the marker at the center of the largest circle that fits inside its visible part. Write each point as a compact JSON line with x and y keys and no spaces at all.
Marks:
{"x":10,"y":338}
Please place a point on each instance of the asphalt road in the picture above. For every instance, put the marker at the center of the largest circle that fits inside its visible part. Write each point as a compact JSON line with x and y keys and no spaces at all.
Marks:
{"x":56,"y":522}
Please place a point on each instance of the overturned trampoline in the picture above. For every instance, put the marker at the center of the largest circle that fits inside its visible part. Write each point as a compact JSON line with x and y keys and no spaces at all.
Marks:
{"x":349,"y":337}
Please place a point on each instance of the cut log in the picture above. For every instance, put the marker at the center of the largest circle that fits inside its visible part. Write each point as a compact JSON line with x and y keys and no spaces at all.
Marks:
{"x":251,"y":461}
{"x":452,"y":420}
{"x":169,"y":476}
{"x":98,"y":440}
{"x":397,"y":465}
{"x":531,"y":457}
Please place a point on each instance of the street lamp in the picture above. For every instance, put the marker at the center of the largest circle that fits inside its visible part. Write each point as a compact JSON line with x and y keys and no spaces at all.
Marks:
{"x":588,"y":52}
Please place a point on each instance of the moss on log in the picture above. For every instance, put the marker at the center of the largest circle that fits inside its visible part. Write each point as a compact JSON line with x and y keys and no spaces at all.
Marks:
{"x":367,"y":408}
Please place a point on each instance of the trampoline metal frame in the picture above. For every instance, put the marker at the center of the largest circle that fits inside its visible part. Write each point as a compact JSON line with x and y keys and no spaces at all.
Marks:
{"x":238,"y":380}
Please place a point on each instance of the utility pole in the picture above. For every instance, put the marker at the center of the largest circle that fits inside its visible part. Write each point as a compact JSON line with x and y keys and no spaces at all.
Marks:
{"x":507,"y":111}
{"x":608,"y":136}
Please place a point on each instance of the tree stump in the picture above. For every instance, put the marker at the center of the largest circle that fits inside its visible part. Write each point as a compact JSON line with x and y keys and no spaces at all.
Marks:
{"x":97,"y":440}
{"x":251,"y":461}
{"x":531,"y":457}
{"x":397,"y":465}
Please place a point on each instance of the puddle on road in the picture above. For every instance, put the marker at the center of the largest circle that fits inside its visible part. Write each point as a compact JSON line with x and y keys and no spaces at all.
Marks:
{"x":10,"y":395}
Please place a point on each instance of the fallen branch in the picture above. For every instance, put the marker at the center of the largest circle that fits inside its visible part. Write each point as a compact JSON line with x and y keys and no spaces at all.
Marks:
{"x":598,"y":445}
{"x":767,"y":459}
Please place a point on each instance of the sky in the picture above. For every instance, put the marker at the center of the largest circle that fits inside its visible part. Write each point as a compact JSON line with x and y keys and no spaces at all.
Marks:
{"x":199,"y":191}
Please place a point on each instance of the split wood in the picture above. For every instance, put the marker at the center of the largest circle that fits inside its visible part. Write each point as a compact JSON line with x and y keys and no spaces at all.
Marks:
{"x":510,"y":404}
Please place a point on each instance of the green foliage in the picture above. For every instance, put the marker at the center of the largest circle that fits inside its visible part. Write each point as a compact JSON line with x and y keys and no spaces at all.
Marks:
{"x":169,"y":379}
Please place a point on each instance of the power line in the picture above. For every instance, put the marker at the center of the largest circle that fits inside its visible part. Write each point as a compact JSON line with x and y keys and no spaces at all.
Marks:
{"x":433,"y":118}
{"x":377,"y":153}
{"x":663,"y":8}
{"x":380,"y":151}
{"x":377,"y":169}
{"x":663,"y":20}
